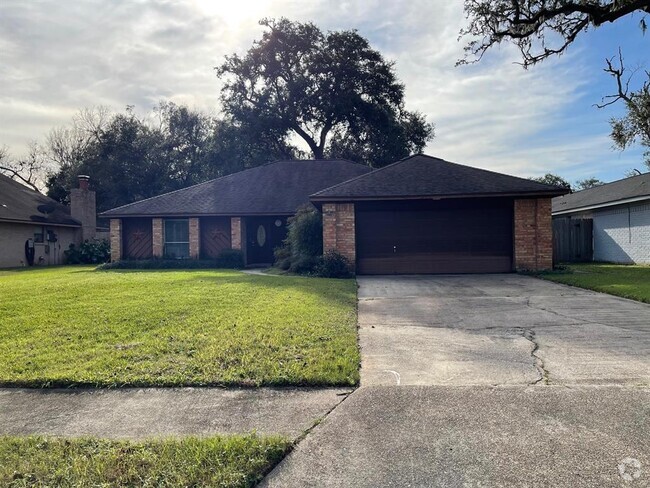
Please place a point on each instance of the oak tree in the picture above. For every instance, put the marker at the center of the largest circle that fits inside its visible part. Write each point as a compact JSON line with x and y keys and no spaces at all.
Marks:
{"x":331,"y":90}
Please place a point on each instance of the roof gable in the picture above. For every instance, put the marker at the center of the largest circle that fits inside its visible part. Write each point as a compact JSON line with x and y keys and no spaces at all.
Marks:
{"x":427,"y":176}
{"x":21,"y":204}
{"x":277,"y":188}
{"x":607,"y":194}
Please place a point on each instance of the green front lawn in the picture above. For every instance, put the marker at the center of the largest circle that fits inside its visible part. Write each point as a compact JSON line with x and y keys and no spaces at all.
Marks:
{"x":77,"y":326}
{"x":224,"y":461}
{"x":622,"y":280}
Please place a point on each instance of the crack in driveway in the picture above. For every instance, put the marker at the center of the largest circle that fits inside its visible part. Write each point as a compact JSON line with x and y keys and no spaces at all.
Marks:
{"x":529,"y":334}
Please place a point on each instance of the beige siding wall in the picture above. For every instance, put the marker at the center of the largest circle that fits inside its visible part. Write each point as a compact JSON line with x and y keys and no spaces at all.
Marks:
{"x":12,"y":244}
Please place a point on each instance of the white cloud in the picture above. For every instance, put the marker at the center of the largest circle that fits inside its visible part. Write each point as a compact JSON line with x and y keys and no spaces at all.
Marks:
{"x":57,"y":57}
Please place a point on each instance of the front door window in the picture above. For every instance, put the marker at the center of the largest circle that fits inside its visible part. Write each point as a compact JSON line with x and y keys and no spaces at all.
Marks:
{"x":261,"y":236}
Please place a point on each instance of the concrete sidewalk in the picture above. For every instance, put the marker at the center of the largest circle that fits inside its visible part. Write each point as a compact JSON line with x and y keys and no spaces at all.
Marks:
{"x":535,"y":436}
{"x":133,"y":413}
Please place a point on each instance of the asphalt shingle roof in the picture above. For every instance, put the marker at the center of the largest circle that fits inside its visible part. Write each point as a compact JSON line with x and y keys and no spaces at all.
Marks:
{"x":633,"y":187}
{"x":423,"y":176}
{"x":273,"y":189}
{"x":21,"y":204}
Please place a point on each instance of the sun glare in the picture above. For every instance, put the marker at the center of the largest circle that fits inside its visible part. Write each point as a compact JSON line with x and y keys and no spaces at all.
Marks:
{"x":234,"y":11}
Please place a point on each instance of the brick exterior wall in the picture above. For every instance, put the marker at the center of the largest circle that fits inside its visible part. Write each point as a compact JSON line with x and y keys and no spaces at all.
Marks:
{"x":339,"y":230}
{"x":157,"y":237}
{"x":533,"y":234}
{"x":195,"y":238}
{"x":235,"y":232}
{"x":82,"y":208}
{"x":116,"y":239}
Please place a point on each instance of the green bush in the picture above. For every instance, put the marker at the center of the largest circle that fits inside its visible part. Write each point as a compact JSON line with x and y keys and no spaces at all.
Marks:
{"x":230,"y":259}
{"x":88,"y":252}
{"x":303,"y":246}
{"x":334,"y":265}
{"x":227,"y":259}
{"x":283,"y":256}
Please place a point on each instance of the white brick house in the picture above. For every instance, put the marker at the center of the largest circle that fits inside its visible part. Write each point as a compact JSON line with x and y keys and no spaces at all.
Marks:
{"x":621,"y":218}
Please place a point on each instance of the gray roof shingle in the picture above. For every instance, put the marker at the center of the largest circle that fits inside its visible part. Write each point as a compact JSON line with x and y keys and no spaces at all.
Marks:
{"x":608,"y":194}
{"x":277,"y":188}
{"x":424,"y":176}
{"x":21,"y":204}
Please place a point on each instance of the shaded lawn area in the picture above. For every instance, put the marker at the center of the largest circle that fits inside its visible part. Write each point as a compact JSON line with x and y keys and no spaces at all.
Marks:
{"x":77,"y":326}
{"x":616,"y":279}
{"x":223,"y":461}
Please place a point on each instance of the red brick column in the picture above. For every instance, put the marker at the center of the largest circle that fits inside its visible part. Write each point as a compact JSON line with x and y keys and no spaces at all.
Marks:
{"x":329,"y":226}
{"x":195,"y":238}
{"x":116,"y":239}
{"x":533,"y":234}
{"x":157,"y":237}
{"x":339,"y":229}
{"x":544,"y":234}
{"x":235,"y":232}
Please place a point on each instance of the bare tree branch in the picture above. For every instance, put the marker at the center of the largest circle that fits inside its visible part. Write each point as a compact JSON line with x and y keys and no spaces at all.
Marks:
{"x":29,"y":170}
{"x":533,"y":24}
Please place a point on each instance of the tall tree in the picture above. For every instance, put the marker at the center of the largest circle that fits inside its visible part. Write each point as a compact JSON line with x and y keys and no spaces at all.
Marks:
{"x":321,"y":87}
{"x":124,"y":164}
{"x":130,"y":157}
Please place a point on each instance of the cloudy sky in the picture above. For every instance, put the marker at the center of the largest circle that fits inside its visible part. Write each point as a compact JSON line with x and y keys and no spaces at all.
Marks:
{"x":59,"y":56}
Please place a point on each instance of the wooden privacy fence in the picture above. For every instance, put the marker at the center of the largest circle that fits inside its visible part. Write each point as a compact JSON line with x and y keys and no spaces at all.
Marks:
{"x":572,"y":240}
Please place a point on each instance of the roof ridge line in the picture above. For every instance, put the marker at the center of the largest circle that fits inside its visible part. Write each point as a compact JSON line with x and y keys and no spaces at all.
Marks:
{"x":374,"y":171}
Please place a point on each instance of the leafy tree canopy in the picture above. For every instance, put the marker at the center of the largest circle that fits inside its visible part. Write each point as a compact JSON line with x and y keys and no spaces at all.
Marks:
{"x":551,"y":179}
{"x":130,"y":158}
{"x":332,"y":90}
{"x":588,"y":183}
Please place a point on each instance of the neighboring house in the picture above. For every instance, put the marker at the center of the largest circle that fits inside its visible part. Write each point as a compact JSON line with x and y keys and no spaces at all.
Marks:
{"x":418,"y":215}
{"x":620,"y":212}
{"x":35,"y":226}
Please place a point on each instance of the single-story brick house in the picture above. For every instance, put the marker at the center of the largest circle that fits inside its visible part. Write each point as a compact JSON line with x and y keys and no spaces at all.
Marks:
{"x":35,"y":229}
{"x":620,"y":214}
{"x":418,"y":215}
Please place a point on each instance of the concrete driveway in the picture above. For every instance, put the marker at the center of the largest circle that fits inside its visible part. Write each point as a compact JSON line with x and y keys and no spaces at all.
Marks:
{"x":498,"y":330}
{"x":500,"y":380}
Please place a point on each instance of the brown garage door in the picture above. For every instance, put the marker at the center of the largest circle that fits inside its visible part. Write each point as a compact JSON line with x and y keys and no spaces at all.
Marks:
{"x":426,"y":236}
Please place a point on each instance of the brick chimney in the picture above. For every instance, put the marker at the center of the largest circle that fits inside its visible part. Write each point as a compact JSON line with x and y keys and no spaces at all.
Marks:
{"x":82,"y":208}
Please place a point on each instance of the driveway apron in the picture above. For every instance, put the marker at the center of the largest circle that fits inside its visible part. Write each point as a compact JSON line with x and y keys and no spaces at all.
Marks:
{"x":487,"y":380}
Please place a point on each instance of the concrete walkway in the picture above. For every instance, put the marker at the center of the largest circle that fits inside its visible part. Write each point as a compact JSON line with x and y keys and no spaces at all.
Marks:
{"x":499,"y":380}
{"x":134,"y":413}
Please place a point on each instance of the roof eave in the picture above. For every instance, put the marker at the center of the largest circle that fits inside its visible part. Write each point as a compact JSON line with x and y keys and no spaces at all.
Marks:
{"x":33,"y":222}
{"x":536,"y":194}
{"x":596,"y":206}
{"x":196,"y":214}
